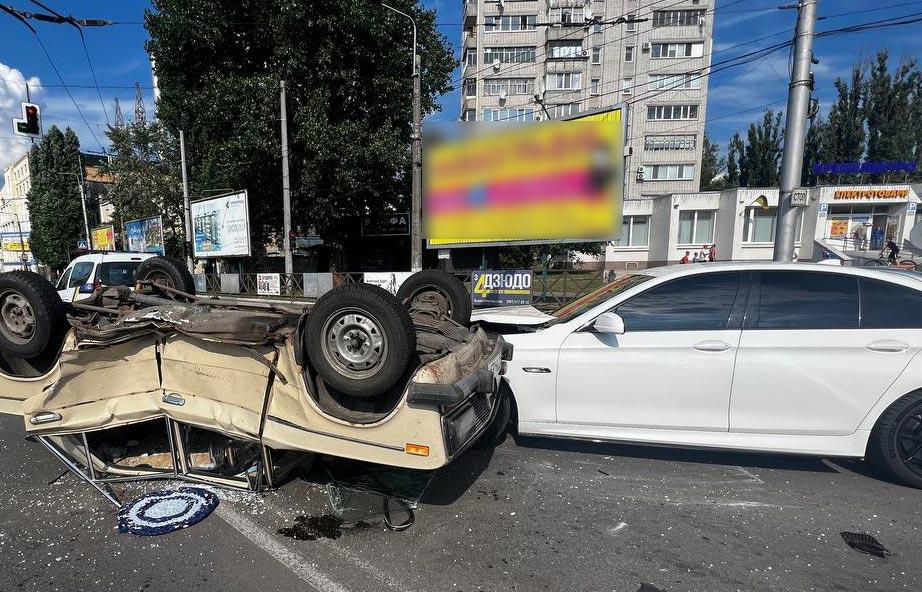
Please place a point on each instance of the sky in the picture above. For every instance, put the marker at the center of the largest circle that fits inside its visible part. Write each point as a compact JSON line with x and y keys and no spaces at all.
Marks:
{"x":118,"y":57}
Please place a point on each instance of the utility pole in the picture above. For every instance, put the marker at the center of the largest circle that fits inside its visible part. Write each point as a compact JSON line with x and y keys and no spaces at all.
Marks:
{"x":286,"y":184}
{"x":22,"y":243}
{"x":416,"y":244}
{"x":86,"y":221}
{"x":795,"y":130}
{"x":186,"y":207}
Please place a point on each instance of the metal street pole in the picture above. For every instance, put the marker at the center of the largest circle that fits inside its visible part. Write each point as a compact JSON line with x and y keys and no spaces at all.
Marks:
{"x":795,"y":130}
{"x":86,"y":221}
{"x":186,"y":206}
{"x":22,"y":242}
{"x":286,"y":183}
{"x":416,"y":253}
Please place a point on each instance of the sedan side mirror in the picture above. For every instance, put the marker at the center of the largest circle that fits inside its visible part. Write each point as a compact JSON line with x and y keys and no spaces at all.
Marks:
{"x":608,"y":322}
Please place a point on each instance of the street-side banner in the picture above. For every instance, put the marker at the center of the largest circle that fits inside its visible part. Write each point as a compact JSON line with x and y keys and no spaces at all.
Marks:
{"x":501,"y":287}
{"x":145,"y":235}
{"x":268,"y":284}
{"x":221,"y":226}
{"x":389,"y":280}
{"x":103,"y":238}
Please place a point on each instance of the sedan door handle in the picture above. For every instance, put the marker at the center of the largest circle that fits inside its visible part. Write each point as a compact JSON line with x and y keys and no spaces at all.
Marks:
{"x":712,"y":345}
{"x":887,"y":345}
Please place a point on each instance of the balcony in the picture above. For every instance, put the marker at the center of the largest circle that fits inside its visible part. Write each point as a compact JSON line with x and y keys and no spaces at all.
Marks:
{"x":470,"y":13}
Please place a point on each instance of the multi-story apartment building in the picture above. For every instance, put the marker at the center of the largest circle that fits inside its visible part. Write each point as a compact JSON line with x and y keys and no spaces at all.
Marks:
{"x":527,"y":60}
{"x":15,"y":227}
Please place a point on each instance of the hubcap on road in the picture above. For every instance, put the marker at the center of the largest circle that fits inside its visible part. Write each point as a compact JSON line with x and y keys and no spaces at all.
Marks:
{"x":354,"y":342}
{"x":17,"y":316}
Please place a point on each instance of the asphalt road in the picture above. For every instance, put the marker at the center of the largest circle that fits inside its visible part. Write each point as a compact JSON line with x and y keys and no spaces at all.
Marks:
{"x":532,"y":515}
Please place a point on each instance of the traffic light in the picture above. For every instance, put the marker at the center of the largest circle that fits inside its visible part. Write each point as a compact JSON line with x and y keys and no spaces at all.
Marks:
{"x":31,"y":123}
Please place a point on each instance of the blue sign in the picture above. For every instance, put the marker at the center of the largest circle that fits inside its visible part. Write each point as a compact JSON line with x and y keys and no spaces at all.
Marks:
{"x":501,"y":287}
{"x":81,"y":244}
{"x":145,"y":235}
{"x":864,"y":168}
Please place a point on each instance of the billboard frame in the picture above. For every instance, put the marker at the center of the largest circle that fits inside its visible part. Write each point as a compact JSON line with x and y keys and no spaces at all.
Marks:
{"x":524,"y":243}
{"x":162,"y":238}
{"x":246,"y":201}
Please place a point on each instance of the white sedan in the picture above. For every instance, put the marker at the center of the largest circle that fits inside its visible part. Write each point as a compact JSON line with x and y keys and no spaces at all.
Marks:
{"x":792,"y":358}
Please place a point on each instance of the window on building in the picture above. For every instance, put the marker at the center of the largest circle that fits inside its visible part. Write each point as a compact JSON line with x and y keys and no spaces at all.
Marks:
{"x":696,"y":227}
{"x":688,"y":80}
{"x":630,"y":26}
{"x":635,"y":232}
{"x":628,"y":53}
{"x":516,"y":22}
{"x":470,"y":57}
{"x":664,"y":112}
{"x":493,"y":87}
{"x":594,"y":86}
{"x":469,"y":115}
{"x":672,"y":172}
{"x":509,"y":55}
{"x":700,"y":302}
{"x":561,"y":110}
{"x":519,"y":114}
{"x":470,"y":87}
{"x":807,"y":300}
{"x":596,"y":55}
{"x":660,"y":51}
{"x":673,"y":142}
{"x":676,"y":18}
{"x":565,"y":49}
{"x":627,"y":86}
{"x":566,"y":15}
{"x":564,"y":81}
{"x":759,"y":225}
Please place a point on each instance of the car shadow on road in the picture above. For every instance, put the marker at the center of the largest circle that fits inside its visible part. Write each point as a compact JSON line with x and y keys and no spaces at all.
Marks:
{"x":450,"y":482}
{"x":787,"y":462}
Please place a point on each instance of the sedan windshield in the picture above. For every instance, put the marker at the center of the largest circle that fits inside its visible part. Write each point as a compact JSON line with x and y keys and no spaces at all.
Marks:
{"x":581,"y":305}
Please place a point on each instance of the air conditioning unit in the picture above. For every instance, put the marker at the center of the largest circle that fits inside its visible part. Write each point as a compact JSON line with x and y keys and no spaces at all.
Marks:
{"x":640,"y":172}
{"x":496,"y":64}
{"x":502,"y":95}
{"x":645,"y":46}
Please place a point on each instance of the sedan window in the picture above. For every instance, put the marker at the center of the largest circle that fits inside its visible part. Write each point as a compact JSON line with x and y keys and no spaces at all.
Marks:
{"x":80,"y":274}
{"x":807,"y":300}
{"x":889,"y":306}
{"x":701,"y":302}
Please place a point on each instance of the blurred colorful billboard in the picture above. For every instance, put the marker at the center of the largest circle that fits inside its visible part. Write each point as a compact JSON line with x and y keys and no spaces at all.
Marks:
{"x":555,"y":181}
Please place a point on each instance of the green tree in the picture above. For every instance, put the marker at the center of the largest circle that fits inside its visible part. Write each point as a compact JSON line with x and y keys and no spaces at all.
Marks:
{"x":712,"y":165}
{"x":54,"y":197}
{"x":146,"y":179}
{"x":759,"y":156}
{"x":734,"y":154}
{"x":347,"y":69}
{"x":889,"y":110}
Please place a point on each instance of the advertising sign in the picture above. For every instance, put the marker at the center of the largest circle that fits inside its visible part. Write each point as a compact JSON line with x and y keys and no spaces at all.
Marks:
{"x":268,"y":284}
{"x":145,"y":235}
{"x":838,"y":228}
{"x":15,"y":243}
{"x":555,"y":181}
{"x":389,"y":280}
{"x":221,"y":226}
{"x":386,"y":224}
{"x":501,"y":287}
{"x":103,"y":238}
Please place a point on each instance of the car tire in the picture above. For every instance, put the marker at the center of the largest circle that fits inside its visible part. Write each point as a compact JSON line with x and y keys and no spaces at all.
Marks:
{"x":31,"y":314}
{"x":896,"y":436}
{"x":495,"y":434}
{"x":440,"y":289}
{"x":166,"y":271}
{"x":360,"y":340}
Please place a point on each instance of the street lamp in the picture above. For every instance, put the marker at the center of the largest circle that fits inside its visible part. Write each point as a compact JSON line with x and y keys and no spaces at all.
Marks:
{"x":416,"y":254}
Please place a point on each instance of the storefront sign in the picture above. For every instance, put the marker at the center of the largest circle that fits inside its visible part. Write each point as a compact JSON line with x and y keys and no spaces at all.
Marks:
{"x":386,"y":225}
{"x":103,"y":238}
{"x":268,"y":284}
{"x":501,"y":287}
{"x":868,"y":193}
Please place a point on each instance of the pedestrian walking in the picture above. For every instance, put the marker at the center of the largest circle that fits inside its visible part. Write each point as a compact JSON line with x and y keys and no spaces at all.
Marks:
{"x":704,"y":255}
{"x":712,"y":253}
{"x":877,"y":236}
{"x":685,"y":258}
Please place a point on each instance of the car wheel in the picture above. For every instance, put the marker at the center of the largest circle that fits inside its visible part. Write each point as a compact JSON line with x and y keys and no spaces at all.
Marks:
{"x":874,"y":263}
{"x":31,"y":313}
{"x":360,"y":340}
{"x":434,"y":287}
{"x":167,"y":271}
{"x":896,"y":441}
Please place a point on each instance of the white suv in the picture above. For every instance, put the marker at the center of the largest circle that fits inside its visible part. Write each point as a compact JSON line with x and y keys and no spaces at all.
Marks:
{"x":99,"y":269}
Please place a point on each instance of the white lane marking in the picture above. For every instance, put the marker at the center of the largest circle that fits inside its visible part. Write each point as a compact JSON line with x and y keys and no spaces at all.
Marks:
{"x":750,"y":477}
{"x":616,"y":528}
{"x":297,"y":564}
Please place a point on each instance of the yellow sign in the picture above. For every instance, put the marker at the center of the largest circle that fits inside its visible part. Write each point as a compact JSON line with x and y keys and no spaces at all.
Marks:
{"x":546,"y":182}
{"x":103,"y":238}
{"x":871,"y":193}
{"x":16,"y":246}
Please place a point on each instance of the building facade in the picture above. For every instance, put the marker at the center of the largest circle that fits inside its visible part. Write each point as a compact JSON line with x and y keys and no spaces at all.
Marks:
{"x":529,"y":60}
{"x":15,"y":228}
{"x":856,"y":219}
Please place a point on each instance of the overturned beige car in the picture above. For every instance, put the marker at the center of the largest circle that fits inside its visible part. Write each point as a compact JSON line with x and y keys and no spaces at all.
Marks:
{"x":156,"y":382}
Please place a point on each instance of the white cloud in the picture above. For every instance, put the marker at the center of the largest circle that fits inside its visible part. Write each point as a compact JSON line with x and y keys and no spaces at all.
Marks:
{"x":12,"y":92}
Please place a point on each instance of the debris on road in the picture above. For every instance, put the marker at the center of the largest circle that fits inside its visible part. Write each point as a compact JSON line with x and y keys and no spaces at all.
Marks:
{"x":161,"y":512}
{"x":311,"y":528}
{"x":865,"y":543}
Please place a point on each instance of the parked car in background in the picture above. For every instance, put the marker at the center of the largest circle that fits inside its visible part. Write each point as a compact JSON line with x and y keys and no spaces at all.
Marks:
{"x":791,"y":358}
{"x":88,"y":272}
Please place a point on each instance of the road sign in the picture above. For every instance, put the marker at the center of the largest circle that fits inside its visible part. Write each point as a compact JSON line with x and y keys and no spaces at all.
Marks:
{"x":799,"y":197}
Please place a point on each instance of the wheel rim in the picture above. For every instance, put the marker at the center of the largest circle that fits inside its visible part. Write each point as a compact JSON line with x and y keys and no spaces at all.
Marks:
{"x":909,"y":440}
{"x":432,"y":296}
{"x":160,"y":278}
{"x":354,"y":343}
{"x":17,"y":319}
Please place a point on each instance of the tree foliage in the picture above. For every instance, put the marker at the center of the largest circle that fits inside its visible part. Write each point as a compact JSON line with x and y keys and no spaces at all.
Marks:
{"x":755,"y":161}
{"x":349,"y":95}
{"x":54,"y":197}
{"x":144,"y":164}
{"x":713,"y":166}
